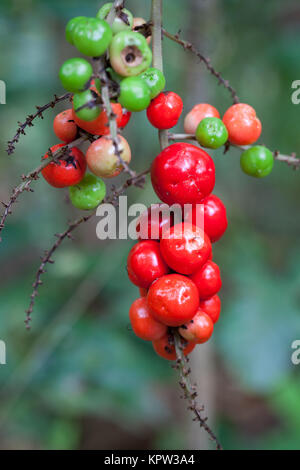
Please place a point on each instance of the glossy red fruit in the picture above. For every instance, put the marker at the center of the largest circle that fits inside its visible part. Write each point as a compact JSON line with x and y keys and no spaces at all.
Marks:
{"x":154,"y":222}
{"x":211,"y":216}
{"x":145,"y":263}
{"x":143,"y":323}
{"x":173,"y":299}
{"x":100,"y":125}
{"x":208,"y":280}
{"x":165,"y":348}
{"x":165,"y":110}
{"x":126,"y":115}
{"x":199,"y":329}
{"x":195,"y":116}
{"x":64,"y":126}
{"x":66,"y":172}
{"x":185,"y":248}
{"x":183,"y":174}
{"x":244,"y":127}
{"x":212,"y":307}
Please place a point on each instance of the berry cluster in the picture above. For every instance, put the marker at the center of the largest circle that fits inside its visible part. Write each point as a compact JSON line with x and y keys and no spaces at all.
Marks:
{"x":172,"y":262}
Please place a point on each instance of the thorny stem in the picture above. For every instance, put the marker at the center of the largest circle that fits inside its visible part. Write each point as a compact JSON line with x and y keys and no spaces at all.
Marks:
{"x":29,"y":120}
{"x":205,"y":60}
{"x":291,"y":160}
{"x":33,"y":175}
{"x":189,"y":390}
{"x":181,"y":363}
{"x":136,"y":180}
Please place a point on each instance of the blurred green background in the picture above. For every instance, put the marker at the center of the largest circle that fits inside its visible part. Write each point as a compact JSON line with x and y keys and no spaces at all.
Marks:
{"x":80,"y":379}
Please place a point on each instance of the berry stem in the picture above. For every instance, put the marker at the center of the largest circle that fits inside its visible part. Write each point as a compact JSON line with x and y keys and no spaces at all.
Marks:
{"x":190,"y":390}
{"x":291,"y":160}
{"x":157,"y":54}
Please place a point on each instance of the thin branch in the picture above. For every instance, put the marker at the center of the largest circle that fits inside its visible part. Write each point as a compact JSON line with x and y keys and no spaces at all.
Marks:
{"x":291,"y":160}
{"x":189,"y":390}
{"x":205,"y":60}
{"x":29,"y":120}
{"x":33,"y":175}
{"x":136,"y":180}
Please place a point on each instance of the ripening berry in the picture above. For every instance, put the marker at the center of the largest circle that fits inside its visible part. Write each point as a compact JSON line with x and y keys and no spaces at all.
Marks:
{"x":165,"y":347}
{"x":208,"y":280}
{"x":212,"y":307}
{"x":244,"y":127}
{"x":173,"y":299}
{"x":100,"y":125}
{"x":145,"y":263}
{"x":185,"y":248}
{"x":64,"y":126}
{"x":129,"y":53}
{"x":102,"y":160}
{"x":183,"y":174}
{"x":65,"y":172}
{"x":195,"y":116}
{"x":199,"y":329}
{"x":143,"y":323}
{"x":165,"y":110}
{"x":211,"y":215}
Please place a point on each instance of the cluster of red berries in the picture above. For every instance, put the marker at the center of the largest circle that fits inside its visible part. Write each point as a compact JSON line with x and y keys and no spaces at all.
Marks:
{"x":172,"y":262}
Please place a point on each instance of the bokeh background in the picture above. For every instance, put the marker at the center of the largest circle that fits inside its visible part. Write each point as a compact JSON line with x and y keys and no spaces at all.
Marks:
{"x":80,"y":379}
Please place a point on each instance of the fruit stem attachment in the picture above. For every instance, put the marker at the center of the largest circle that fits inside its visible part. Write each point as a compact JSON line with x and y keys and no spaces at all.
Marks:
{"x":156,"y":13}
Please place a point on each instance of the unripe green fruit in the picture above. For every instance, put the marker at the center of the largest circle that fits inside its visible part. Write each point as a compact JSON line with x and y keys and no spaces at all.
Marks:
{"x":257,"y":161}
{"x":71,"y":25}
{"x":87,"y":113}
{"x":211,"y":133}
{"x":134,"y":94}
{"x":89,"y":193}
{"x":129,"y":53}
{"x":123,"y":20}
{"x":75,"y":73}
{"x":92,"y":37}
{"x":155,"y":80}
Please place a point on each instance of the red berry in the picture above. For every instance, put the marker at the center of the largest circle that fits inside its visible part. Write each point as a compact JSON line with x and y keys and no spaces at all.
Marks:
{"x":195,"y":116}
{"x":165,"y":110}
{"x":173,"y":299}
{"x":183,"y":174}
{"x":208,"y":280}
{"x":145,"y":263}
{"x":66,"y":172}
{"x":152,"y":223}
{"x":185,"y":248}
{"x":211,"y":216}
{"x":244,"y":127}
{"x":64,"y":126}
{"x":212,"y":307}
{"x":126,"y":115}
{"x":100,"y":125}
{"x":165,"y":348}
{"x":143,"y":323}
{"x":199,"y":329}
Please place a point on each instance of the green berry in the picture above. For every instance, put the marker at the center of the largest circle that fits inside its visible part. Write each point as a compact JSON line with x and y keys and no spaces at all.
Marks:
{"x":134,"y":94}
{"x":71,"y":25}
{"x":75,"y":73}
{"x":155,"y":80}
{"x":89,"y":113}
{"x":88,"y":194}
{"x":129,"y":53}
{"x":211,"y":133}
{"x":123,"y":20}
{"x":257,"y":161}
{"x":92,"y":37}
